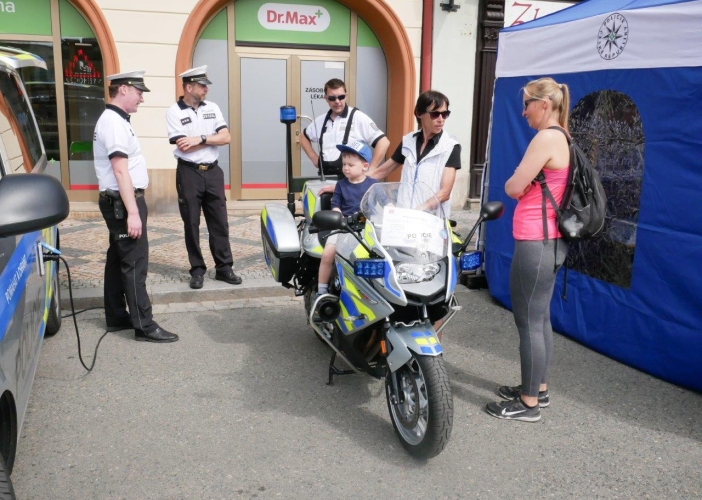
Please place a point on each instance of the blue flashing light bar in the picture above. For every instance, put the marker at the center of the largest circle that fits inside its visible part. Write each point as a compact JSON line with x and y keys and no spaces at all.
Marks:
{"x":288,"y":114}
{"x":369,"y":268}
{"x":470,"y":261}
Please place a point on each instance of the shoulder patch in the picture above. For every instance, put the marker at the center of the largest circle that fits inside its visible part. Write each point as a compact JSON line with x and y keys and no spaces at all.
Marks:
{"x":374,"y":126}
{"x":185,"y":121}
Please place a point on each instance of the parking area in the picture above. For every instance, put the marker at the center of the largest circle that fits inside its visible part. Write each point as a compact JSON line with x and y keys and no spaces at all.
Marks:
{"x":238,"y":408}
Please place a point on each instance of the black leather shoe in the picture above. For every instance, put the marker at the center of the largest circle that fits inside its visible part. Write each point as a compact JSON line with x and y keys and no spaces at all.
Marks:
{"x":196,"y":282}
{"x":125,"y":324}
{"x":229,"y":277}
{"x":159,"y":335}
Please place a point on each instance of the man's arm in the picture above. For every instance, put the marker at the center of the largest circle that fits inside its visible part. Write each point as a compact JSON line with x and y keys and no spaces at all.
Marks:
{"x":385,"y":169}
{"x":308,"y":149}
{"x":221,"y":138}
{"x":120,"y":167}
{"x":381,"y":147}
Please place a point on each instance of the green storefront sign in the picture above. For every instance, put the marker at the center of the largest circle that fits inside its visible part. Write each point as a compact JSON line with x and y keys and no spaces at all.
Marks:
{"x":25,"y":17}
{"x":303,"y":22}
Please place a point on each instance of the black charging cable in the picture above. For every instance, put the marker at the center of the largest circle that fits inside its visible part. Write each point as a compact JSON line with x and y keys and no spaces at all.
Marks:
{"x":81,"y":311}
{"x":52,"y":256}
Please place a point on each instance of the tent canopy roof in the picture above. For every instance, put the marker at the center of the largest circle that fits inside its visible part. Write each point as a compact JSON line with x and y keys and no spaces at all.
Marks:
{"x":590,"y":8}
{"x":599,"y":35}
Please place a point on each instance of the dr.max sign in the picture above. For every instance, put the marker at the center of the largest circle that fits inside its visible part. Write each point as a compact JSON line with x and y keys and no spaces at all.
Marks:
{"x":287,"y":17}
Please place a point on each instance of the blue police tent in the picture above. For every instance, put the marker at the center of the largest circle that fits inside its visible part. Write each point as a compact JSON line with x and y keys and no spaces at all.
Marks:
{"x":634,"y":68}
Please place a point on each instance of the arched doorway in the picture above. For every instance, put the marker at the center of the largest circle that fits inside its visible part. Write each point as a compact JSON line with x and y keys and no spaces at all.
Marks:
{"x":73,"y":38}
{"x":262,"y":64}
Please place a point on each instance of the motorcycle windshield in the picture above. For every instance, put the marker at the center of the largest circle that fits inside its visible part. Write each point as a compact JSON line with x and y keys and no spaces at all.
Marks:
{"x":409,"y":221}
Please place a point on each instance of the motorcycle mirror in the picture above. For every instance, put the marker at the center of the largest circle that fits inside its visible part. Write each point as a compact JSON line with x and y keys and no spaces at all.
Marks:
{"x":492,"y":210}
{"x":328,"y":220}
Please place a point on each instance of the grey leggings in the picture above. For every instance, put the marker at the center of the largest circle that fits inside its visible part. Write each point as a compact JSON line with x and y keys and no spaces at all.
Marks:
{"x":531,"y":284}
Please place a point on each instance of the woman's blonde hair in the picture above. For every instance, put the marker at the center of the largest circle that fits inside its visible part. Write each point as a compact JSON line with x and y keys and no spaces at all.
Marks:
{"x":557,"y":93}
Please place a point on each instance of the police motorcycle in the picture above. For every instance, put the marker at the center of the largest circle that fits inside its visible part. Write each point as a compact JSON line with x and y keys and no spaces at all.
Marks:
{"x":394,"y":276}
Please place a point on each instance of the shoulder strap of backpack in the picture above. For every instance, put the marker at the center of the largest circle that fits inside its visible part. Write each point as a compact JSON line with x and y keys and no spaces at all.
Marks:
{"x":546,"y":193}
{"x":555,"y":127}
{"x":321,"y":144}
{"x":348,"y":127}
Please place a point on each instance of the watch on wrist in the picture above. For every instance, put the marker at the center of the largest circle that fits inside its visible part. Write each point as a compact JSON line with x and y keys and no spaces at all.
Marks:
{"x":204,"y":139}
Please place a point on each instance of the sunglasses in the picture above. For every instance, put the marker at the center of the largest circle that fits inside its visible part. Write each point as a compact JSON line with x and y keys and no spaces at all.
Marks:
{"x":333,"y":98}
{"x":529,"y":101}
{"x":435,"y":114}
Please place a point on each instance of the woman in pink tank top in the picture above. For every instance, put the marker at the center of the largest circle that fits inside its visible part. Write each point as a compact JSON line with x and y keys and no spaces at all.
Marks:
{"x":532,"y":276}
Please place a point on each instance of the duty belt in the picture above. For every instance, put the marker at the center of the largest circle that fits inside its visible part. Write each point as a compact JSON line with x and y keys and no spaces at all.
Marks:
{"x":197,"y":166}
{"x":111,"y":194}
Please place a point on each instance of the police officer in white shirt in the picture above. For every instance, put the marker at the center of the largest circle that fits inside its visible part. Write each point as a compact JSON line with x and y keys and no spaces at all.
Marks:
{"x":122,"y":178}
{"x":340,"y":125}
{"x":197,"y":128}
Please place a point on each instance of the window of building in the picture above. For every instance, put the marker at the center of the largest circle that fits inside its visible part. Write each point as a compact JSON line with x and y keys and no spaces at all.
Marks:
{"x":69,"y":96}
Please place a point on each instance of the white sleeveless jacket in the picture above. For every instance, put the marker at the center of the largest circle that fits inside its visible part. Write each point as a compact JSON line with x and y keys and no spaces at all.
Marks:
{"x":431,"y":167}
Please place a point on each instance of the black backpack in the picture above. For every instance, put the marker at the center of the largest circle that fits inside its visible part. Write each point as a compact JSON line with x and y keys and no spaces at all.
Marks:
{"x":581,"y":215}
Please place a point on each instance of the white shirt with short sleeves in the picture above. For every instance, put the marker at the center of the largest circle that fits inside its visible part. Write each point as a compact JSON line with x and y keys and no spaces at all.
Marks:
{"x":114,"y":137}
{"x":184,"y":121}
{"x":362,"y":129}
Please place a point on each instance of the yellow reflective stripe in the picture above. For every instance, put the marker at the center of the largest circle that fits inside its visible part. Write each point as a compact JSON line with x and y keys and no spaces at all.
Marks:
{"x":421,"y":341}
{"x":317,"y":250}
{"x":432,"y":341}
{"x":368,"y":235}
{"x":358,"y":301}
{"x":311,"y":201}
{"x":264,"y":217}
{"x":344,"y":314}
{"x":360,"y":252}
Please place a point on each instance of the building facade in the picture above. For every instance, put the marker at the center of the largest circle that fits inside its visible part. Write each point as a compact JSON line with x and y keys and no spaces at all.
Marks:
{"x":261,"y":55}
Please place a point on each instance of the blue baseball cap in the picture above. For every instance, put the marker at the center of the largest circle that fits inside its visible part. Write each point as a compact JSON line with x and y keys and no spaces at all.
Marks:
{"x":360,"y":148}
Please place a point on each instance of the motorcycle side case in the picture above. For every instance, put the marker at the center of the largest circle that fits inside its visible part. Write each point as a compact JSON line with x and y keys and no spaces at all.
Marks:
{"x":281,"y":244}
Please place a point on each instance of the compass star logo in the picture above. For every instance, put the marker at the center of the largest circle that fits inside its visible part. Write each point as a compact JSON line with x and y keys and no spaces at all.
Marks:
{"x":612,"y":37}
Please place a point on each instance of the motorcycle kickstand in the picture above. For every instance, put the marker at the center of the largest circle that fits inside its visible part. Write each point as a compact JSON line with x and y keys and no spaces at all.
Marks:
{"x":333,"y":370}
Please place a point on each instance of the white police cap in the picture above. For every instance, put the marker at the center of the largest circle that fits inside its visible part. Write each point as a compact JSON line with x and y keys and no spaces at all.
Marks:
{"x":133,"y":78}
{"x":197,"y":75}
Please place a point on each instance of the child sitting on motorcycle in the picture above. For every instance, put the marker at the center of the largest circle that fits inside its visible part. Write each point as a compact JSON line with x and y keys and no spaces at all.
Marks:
{"x":347,"y":197}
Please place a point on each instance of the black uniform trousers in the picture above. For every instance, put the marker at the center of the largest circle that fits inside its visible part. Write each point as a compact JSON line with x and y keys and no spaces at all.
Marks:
{"x":204,"y":190}
{"x":125,"y":270}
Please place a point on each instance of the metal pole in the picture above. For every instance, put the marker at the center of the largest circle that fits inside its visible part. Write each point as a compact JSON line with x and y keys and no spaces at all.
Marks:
{"x":291,"y":195}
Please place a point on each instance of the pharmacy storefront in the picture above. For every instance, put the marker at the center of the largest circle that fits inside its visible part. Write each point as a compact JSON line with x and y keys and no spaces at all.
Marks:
{"x":261,"y":55}
{"x":274,"y":54}
{"x":68,"y":97}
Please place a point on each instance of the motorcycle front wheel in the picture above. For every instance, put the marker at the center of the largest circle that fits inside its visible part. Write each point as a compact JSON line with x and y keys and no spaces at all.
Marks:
{"x":423,"y":413}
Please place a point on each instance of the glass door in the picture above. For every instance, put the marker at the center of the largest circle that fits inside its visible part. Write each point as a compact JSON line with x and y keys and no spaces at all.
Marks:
{"x":267,"y":82}
{"x":314,"y":73}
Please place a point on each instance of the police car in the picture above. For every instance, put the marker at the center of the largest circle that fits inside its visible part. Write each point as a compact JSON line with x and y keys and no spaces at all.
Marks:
{"x":31,"y":204}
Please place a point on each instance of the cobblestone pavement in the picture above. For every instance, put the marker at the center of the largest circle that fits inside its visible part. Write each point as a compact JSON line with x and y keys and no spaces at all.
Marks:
{"x":84,"y":244}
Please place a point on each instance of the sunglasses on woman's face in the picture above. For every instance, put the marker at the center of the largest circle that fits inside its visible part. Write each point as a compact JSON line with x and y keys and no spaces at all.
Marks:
{"x":333,"y":98}
{"x":435,"y":114}
{"x":529,"y":101}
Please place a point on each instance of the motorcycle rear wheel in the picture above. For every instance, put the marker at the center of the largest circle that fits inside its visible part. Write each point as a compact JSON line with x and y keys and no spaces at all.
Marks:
{"x":423,"y":418}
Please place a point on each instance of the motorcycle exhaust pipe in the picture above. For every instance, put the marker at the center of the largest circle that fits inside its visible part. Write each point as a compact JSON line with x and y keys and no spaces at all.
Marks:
{"x":328,"y":308}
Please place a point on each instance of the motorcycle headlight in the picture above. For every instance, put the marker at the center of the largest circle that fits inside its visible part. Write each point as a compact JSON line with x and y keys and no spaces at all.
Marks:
{"x":415,"y":273}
